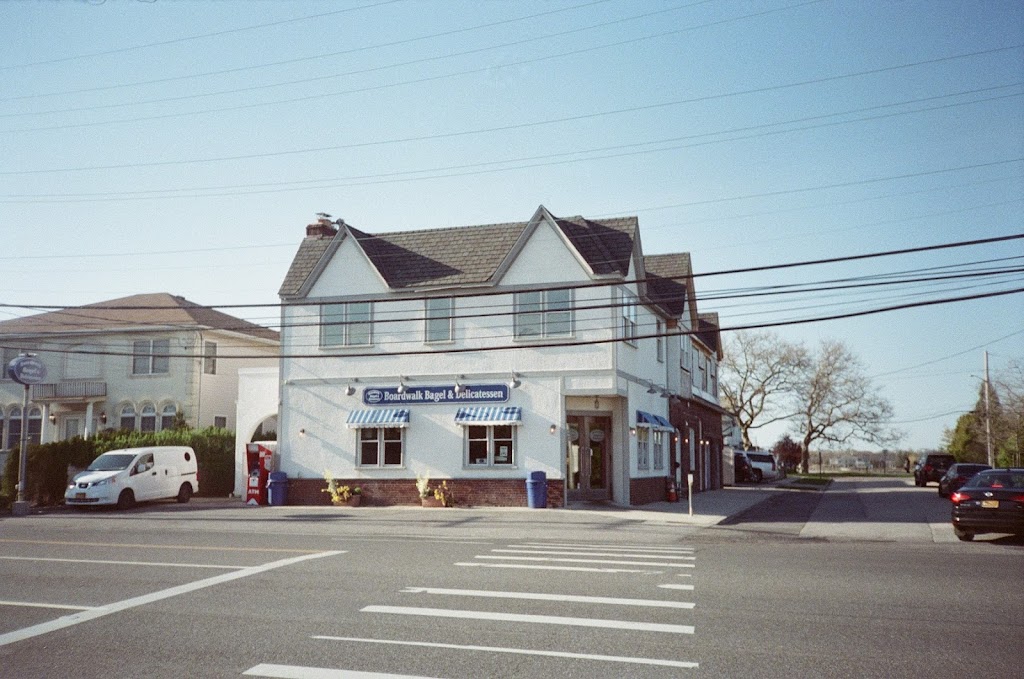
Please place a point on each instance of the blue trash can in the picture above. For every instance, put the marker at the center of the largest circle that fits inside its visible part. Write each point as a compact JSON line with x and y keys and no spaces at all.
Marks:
{"x":537,"y":490}
{"x":277,"y":488}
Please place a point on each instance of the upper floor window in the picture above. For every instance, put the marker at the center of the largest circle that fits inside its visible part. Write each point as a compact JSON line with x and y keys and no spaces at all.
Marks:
{"x":82,"y":362}
{"x":684,"y":352}
{"x":151,"y":357}
{"x":346,"y":325}
{"x":210,"y":358}
{"x":713,"y":376}
{"x":659,"y":328}
{"x":628,"y":321}
{"x":544,"y":313}
{"x":702,"y":371}
{"x":438,"y":312}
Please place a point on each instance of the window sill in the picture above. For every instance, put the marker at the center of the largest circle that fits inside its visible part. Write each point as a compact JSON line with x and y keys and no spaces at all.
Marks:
{"x":490,"y":467}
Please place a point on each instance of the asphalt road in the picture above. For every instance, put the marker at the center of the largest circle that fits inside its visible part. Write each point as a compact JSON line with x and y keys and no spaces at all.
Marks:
{"x":859,"y":581}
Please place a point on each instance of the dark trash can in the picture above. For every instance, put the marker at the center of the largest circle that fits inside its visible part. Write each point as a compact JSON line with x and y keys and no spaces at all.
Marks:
{"x":537,"y":490}
{"x":277,"y":488}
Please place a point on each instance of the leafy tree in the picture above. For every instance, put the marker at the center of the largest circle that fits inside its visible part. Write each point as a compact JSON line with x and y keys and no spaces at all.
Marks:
{"x":788,"y":452}
{"x":836,"y":402}
{"x":759,"y":371}
{"x":967,"y":441}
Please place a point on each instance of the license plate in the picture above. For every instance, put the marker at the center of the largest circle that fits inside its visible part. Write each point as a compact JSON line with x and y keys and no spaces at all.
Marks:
{"x":990,"y":504}
{"x":79,"y":496}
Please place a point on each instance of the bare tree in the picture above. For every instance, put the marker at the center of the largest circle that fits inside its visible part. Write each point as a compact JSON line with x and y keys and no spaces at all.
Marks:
{"x":837,"y":403}
{"x":759,"y":373}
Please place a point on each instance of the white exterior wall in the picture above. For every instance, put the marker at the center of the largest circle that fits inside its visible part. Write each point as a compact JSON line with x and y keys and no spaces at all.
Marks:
{"x":257,"y":401}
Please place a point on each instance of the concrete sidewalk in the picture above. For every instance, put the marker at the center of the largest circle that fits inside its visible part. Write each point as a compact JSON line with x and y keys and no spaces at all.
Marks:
{"x":709,"y":508}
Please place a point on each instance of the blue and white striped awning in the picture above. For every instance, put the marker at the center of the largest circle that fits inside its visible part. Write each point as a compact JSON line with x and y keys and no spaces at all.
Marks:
{"x":379,"y":417}
{"x":484,"y":415}
{"x":653,"y":420}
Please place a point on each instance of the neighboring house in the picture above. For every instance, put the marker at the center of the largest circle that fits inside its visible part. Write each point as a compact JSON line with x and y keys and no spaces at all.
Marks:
{"x":479,"y":354}
{"x":138,"y":363}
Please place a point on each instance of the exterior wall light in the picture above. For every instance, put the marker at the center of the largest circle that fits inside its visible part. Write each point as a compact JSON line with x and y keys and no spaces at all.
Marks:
{"x":632,"y":431}
{"x":553,"y":428}
{"x":302,"y":432}
{"x":458,"y":388}
{"x":401,"y":384}
{"x":53,"y":419}
{"x":514,"y":383}
{"x":349,"y":390}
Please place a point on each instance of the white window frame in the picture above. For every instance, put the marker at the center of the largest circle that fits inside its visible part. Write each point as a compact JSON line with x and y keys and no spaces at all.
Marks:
{"x":35,"y":425}
{"x":658,"y":449}
{"x":147,"y":412}
{"x":550,"y":314}
{"x":149,"y":359}
{"x":339,"y":329}
{"x":438,"y":314}
{"x":380,"y":441}
{"x":627,"y":320}
{"x":659,"y":329}
{"x":643,"y":448}
{"x":121,"y":416}
{"x":14,"y":428}
{"x":167,"y":415}
{"x":209,"y":358}
{"x":492,"y":442}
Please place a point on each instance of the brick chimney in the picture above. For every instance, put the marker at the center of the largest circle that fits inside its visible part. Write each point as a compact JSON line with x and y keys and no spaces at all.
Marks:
{"x":323,"y":227}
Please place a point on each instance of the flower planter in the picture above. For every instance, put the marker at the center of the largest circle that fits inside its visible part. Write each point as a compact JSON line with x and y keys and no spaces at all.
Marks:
{"x":351,"y":502}
{"x":431,"y":502}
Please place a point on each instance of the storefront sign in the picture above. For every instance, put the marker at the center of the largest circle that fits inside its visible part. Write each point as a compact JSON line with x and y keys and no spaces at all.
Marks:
{"x":26,"y":370}
{"x":469,"y":393}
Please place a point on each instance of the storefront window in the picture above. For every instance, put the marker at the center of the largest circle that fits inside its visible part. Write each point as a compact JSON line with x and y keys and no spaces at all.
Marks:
{"x":643,"y":449}
{"x":381,"y":446}
{"x":491,"y":445}
{"x":659,"y":449}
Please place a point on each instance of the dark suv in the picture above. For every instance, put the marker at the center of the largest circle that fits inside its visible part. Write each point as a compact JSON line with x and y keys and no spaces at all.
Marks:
{"x":931,"y":468}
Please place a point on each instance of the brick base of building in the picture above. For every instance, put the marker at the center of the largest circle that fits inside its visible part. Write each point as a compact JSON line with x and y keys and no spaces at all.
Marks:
{"x":390,"y":492}
{"x":646,"y":490}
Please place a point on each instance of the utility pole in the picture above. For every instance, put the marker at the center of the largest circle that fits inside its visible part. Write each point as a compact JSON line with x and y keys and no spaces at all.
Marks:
{"x":988,"y":418}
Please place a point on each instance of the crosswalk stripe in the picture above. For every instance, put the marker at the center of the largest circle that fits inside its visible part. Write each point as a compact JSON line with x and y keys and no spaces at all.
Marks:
{"x":524,"y":651}
{"x":595,"y":561}
{"x":578,"y":569}
{"x":273,"y":671}
{"x":537,"y":596}
{"x":617,"y":548}
{"x":574,"y":553}
{"x":687,"y":587}
{"x":532,"y":619}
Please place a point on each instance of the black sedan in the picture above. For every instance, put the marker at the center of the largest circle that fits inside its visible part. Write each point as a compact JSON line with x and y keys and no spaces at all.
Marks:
{"x":957,"y":475}
{"x":991,"y":502}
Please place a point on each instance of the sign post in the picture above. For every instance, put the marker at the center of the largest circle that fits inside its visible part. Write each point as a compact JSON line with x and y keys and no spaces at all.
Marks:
{"x":689,"y":491}
{"x":26,"y":370}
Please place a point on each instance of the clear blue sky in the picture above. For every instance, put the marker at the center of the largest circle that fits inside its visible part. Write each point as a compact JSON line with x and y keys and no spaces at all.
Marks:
{"x":182,"y":147}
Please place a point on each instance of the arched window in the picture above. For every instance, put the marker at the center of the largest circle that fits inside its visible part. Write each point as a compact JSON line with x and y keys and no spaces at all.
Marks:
{"x":167,"y":416}
{"x":35,"y":426}
{"x":128,"y":417}
{"x":147,"y":421}
{"x":14,"y":429}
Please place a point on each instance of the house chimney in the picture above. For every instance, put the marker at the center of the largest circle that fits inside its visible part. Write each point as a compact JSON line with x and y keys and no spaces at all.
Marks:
{"x":323,"y":227}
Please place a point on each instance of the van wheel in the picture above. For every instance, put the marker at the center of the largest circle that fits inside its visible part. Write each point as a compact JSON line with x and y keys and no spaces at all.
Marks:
{"x":756,"y":476}
{"x":185,"y":493}
{"x":126,"y":500}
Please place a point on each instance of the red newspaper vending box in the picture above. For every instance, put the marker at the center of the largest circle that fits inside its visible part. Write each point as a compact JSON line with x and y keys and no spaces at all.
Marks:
{"x":258,"y":460}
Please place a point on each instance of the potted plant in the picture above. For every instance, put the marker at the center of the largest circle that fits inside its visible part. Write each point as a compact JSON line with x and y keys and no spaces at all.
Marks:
{"x":342,"y":495}
{"x":436,"y":496}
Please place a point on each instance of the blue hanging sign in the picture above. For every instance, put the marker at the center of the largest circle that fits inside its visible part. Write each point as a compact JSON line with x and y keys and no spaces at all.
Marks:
{"x":26,"y":370}
{"x":468,"y":393}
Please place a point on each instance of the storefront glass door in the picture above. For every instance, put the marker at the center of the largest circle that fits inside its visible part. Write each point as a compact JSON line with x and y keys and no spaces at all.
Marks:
{"x":587,"y":457}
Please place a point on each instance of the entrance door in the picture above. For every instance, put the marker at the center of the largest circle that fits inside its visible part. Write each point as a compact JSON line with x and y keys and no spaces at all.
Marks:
{"x":588,"y":457}
{"x":72,"y":427}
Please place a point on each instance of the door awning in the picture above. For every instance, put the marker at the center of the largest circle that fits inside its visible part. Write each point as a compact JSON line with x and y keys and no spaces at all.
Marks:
{"x":379,"y":417}
{"x":653,"y":420}
{"x":484,"y":415}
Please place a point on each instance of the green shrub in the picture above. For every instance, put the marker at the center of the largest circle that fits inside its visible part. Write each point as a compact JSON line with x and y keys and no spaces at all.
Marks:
{"x":48,"y":463}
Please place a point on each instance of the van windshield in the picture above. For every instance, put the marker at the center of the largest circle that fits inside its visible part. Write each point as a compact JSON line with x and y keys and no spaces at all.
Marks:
{"x":111,"y":462}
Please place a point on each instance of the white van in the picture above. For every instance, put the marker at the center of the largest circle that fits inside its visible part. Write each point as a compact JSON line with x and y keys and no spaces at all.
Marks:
{"x":123,"y":477}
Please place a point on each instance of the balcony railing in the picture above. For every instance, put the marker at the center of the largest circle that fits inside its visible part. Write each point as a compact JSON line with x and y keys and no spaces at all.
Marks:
{"x":60,"y":391}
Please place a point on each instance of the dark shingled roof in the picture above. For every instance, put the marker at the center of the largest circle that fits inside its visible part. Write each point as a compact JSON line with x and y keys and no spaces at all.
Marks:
{"x":466,"y":255}
{"x":708,"y":331}
{"x":136,"y":311}
{"x":666,"y":281}
{"x":463,"y":255}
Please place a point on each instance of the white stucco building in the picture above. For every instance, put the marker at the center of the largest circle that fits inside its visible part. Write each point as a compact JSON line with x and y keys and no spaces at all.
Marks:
{"x":478,"y":354}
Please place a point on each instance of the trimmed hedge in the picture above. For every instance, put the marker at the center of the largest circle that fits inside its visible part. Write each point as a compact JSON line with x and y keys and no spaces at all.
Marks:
{"x":48,"y":463}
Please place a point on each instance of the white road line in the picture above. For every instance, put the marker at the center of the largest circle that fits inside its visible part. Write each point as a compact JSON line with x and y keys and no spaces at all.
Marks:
{"x":123,"y":563}
{"x":296,"y":672}
{"x":118,"y":606}
{"x":536,"y":596}
{"x":604,"y":561}
{"x":524,"y":651}
{"x":688,"y":587}
{"x":633,"y":548}
{"x":578,"y":569}
{"x":31,"y":604}
{"x":575,"y":553}
{"x":533,"y":619}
